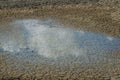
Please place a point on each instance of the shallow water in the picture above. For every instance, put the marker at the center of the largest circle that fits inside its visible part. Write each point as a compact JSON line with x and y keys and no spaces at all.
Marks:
{"x":48,"y":41}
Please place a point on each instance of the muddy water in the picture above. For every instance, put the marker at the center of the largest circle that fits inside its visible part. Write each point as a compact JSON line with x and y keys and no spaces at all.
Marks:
{"x":48,"y":42}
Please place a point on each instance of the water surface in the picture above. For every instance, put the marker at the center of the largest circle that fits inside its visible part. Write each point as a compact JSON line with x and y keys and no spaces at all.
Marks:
{"x":48,"y":41}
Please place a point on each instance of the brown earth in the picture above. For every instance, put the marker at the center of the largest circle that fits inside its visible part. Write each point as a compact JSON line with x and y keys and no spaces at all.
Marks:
{"x":16,"y":70}
{"x":104,"y":19}
{"x":38,"y":3}
{"x":88,"y":17}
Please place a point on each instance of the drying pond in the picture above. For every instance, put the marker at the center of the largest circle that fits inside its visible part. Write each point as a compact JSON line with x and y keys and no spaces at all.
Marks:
{"x":48,"y":42}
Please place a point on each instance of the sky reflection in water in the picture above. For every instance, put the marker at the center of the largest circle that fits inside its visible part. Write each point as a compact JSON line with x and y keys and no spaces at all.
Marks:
{"x":51,"y":40}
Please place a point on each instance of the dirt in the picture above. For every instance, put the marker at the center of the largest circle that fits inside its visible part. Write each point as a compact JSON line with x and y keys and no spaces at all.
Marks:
{"x":99,"y":19}
{"x":27,"y":71}
{"x":87,"y":17}
{"x":39,"y":3}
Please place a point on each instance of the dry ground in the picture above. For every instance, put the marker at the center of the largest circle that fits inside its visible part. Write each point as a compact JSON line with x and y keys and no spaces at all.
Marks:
{"x":102,"y":19}
{"x":17,"y":70}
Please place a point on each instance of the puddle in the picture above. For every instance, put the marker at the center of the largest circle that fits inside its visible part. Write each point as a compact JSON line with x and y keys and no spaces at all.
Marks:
{"x":36,"y":40}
